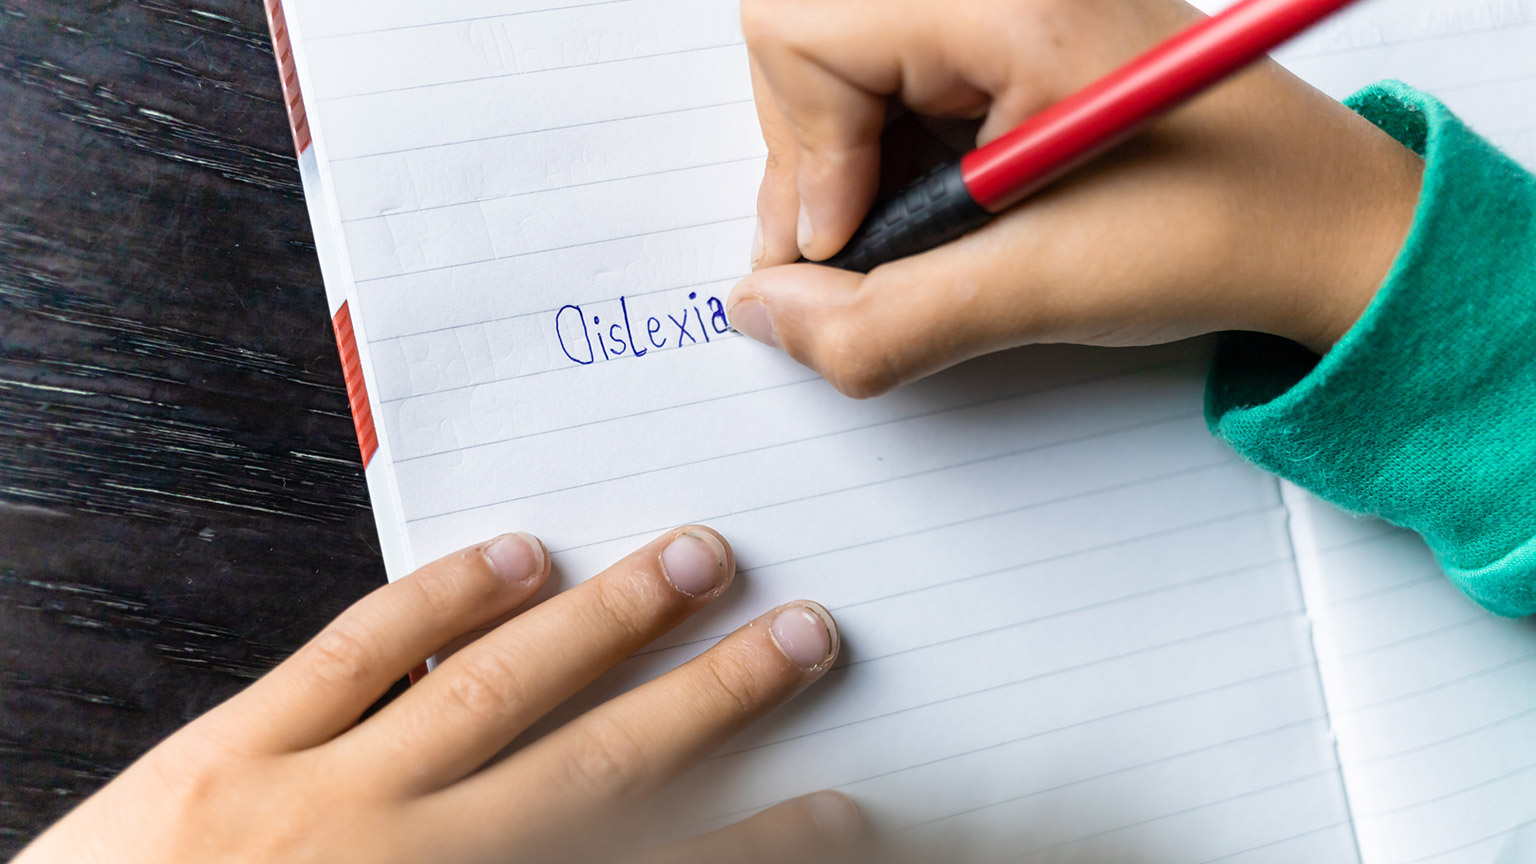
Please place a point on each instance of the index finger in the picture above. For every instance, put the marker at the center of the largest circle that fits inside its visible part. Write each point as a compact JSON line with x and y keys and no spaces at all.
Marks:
{"x":834,"y":122}
{"x":778,"y":199}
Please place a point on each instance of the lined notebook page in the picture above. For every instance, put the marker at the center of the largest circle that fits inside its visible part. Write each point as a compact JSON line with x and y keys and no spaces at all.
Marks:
{"x":1433,"y":701}
{"x":1072,"y":625}
{"x":1477,"y":56}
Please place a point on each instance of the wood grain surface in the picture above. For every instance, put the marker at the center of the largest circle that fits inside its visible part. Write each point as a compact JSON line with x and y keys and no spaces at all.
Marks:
{"x":180,"y":497}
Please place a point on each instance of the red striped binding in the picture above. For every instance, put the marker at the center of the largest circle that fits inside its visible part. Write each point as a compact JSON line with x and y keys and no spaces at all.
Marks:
{"x":283,"y":48}
{"x":357,"y":390}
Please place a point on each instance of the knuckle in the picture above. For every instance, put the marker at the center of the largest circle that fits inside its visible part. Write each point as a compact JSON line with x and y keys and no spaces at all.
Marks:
{"x":777,"y":29}
{"x":735,"y":683}
{"x":194,"y":783}
{"x":607,"y":760}
{"x":482,"y":685}
{"x":856,"y":364}
{"x":440,"y":590}
{"x":621,"y":607}
{"x":780,"y":157}
{"x":757,"y":20}
{"x":341,"y":654}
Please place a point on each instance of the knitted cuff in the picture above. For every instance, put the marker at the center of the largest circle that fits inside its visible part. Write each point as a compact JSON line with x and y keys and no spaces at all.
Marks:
{"x":1425,"y":412}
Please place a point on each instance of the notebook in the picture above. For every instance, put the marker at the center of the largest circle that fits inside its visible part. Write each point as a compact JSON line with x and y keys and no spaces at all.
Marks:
{"x":1075,"y":627}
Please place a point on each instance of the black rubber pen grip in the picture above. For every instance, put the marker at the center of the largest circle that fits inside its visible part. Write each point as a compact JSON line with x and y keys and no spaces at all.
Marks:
{"x":934,"y":210}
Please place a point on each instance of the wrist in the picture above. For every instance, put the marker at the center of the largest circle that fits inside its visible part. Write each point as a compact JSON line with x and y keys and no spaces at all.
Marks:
{"x":1370,"y":195}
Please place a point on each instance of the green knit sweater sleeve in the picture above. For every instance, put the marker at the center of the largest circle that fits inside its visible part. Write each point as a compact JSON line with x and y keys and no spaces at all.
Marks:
{"x":1425,"y":412}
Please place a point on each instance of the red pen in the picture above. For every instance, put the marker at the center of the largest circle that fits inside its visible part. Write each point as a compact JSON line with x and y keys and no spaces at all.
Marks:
{"x":958,"y":197}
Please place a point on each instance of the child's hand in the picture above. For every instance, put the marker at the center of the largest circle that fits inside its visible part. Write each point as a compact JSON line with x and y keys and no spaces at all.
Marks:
{"x":1262,"y":205}
{"x":284,"y":772}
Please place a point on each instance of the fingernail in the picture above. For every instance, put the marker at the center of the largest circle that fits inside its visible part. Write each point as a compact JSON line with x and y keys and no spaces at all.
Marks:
{"x":804,"y":633}
{"x":757,"y":245}
{"x":804,"y":233}
{"x":694,"y":563}
{"x":750,"y":318}
{"x":516,"y":557}
{"x":836,"y":817}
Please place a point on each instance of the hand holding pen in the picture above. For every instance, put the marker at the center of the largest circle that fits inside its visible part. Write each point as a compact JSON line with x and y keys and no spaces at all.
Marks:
{"x":1259,"y":205}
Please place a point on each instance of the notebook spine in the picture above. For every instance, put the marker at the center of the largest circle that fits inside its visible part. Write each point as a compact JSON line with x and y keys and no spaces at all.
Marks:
{"x":288,"y":73}
{"x":357,"y":388}
{"x":303,"y":141}
{"x":286,"y":24}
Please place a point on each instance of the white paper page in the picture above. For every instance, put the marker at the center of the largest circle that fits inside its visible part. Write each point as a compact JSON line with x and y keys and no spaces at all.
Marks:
{"x":1477,"y":56}
{"x":1433,"y":701}
{"x":1072,"y":627}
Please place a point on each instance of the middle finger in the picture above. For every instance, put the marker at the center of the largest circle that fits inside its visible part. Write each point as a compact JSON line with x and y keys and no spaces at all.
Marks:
{"x":581,"y":782}
{"x":472,"y":706}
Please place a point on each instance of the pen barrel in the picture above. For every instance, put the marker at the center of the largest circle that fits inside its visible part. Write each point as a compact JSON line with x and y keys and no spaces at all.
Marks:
{"x":1064,"y":135}
{"x":932,"y":211}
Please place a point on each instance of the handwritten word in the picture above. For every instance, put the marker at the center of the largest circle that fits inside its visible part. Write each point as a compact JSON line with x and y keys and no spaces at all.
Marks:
{"x":586,"y":336}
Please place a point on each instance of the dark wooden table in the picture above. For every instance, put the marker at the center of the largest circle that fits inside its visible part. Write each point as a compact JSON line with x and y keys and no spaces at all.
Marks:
{"x":180,"y":497}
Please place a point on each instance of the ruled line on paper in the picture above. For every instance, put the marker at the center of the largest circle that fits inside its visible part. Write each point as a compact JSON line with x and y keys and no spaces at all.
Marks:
{"x":1289,"y":783}
{"x":1380,"y":533}
{"x":1513,"y":130}
{"x":1191,"y":530}
{"x":1234,"y":583}
{"x":1246,"y":570}
{"x":588,"y":5}
{"x":1433,"y":575}
{"x":573,"y":370}
{"x":1065,"y":670}
{"x":1408,"y":40}
{"x":1395,"y":43}
{"x":495,"y":494}
{"x":472,"y":326}
{"x":1178,"y":473}
{"x":1402,"y":697}
{"x":871,"y":484}
{"x":539,"y":191}
{"x":1493,"y":82}
{"x":1430,"y":745}
{"x":1494,"y":836}
{"x":1453,"y":793}
{"x":810,"y":378}
{"x":540,"y":313}
{"x":585,"y":123}
{"x":1159,"y":421}
{"x":583,"y":245}
{"x":1294,"y":781}
{"x":1407,"y":640}
{"x":520,"y":73}
{"x":757,"y":391}
{"x":966,"y":521}
{"x":744,"y":811}
{"x":1019,"y":565}
{"x":991,"y":400}
{"x":538,"y":372}
{"x":1120,"y":771}
{"x":1320,"y":829}
{"x":1180,"y":755}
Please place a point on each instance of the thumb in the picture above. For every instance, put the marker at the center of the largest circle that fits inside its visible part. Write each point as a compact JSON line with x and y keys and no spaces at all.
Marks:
{"x":865,"y":334}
